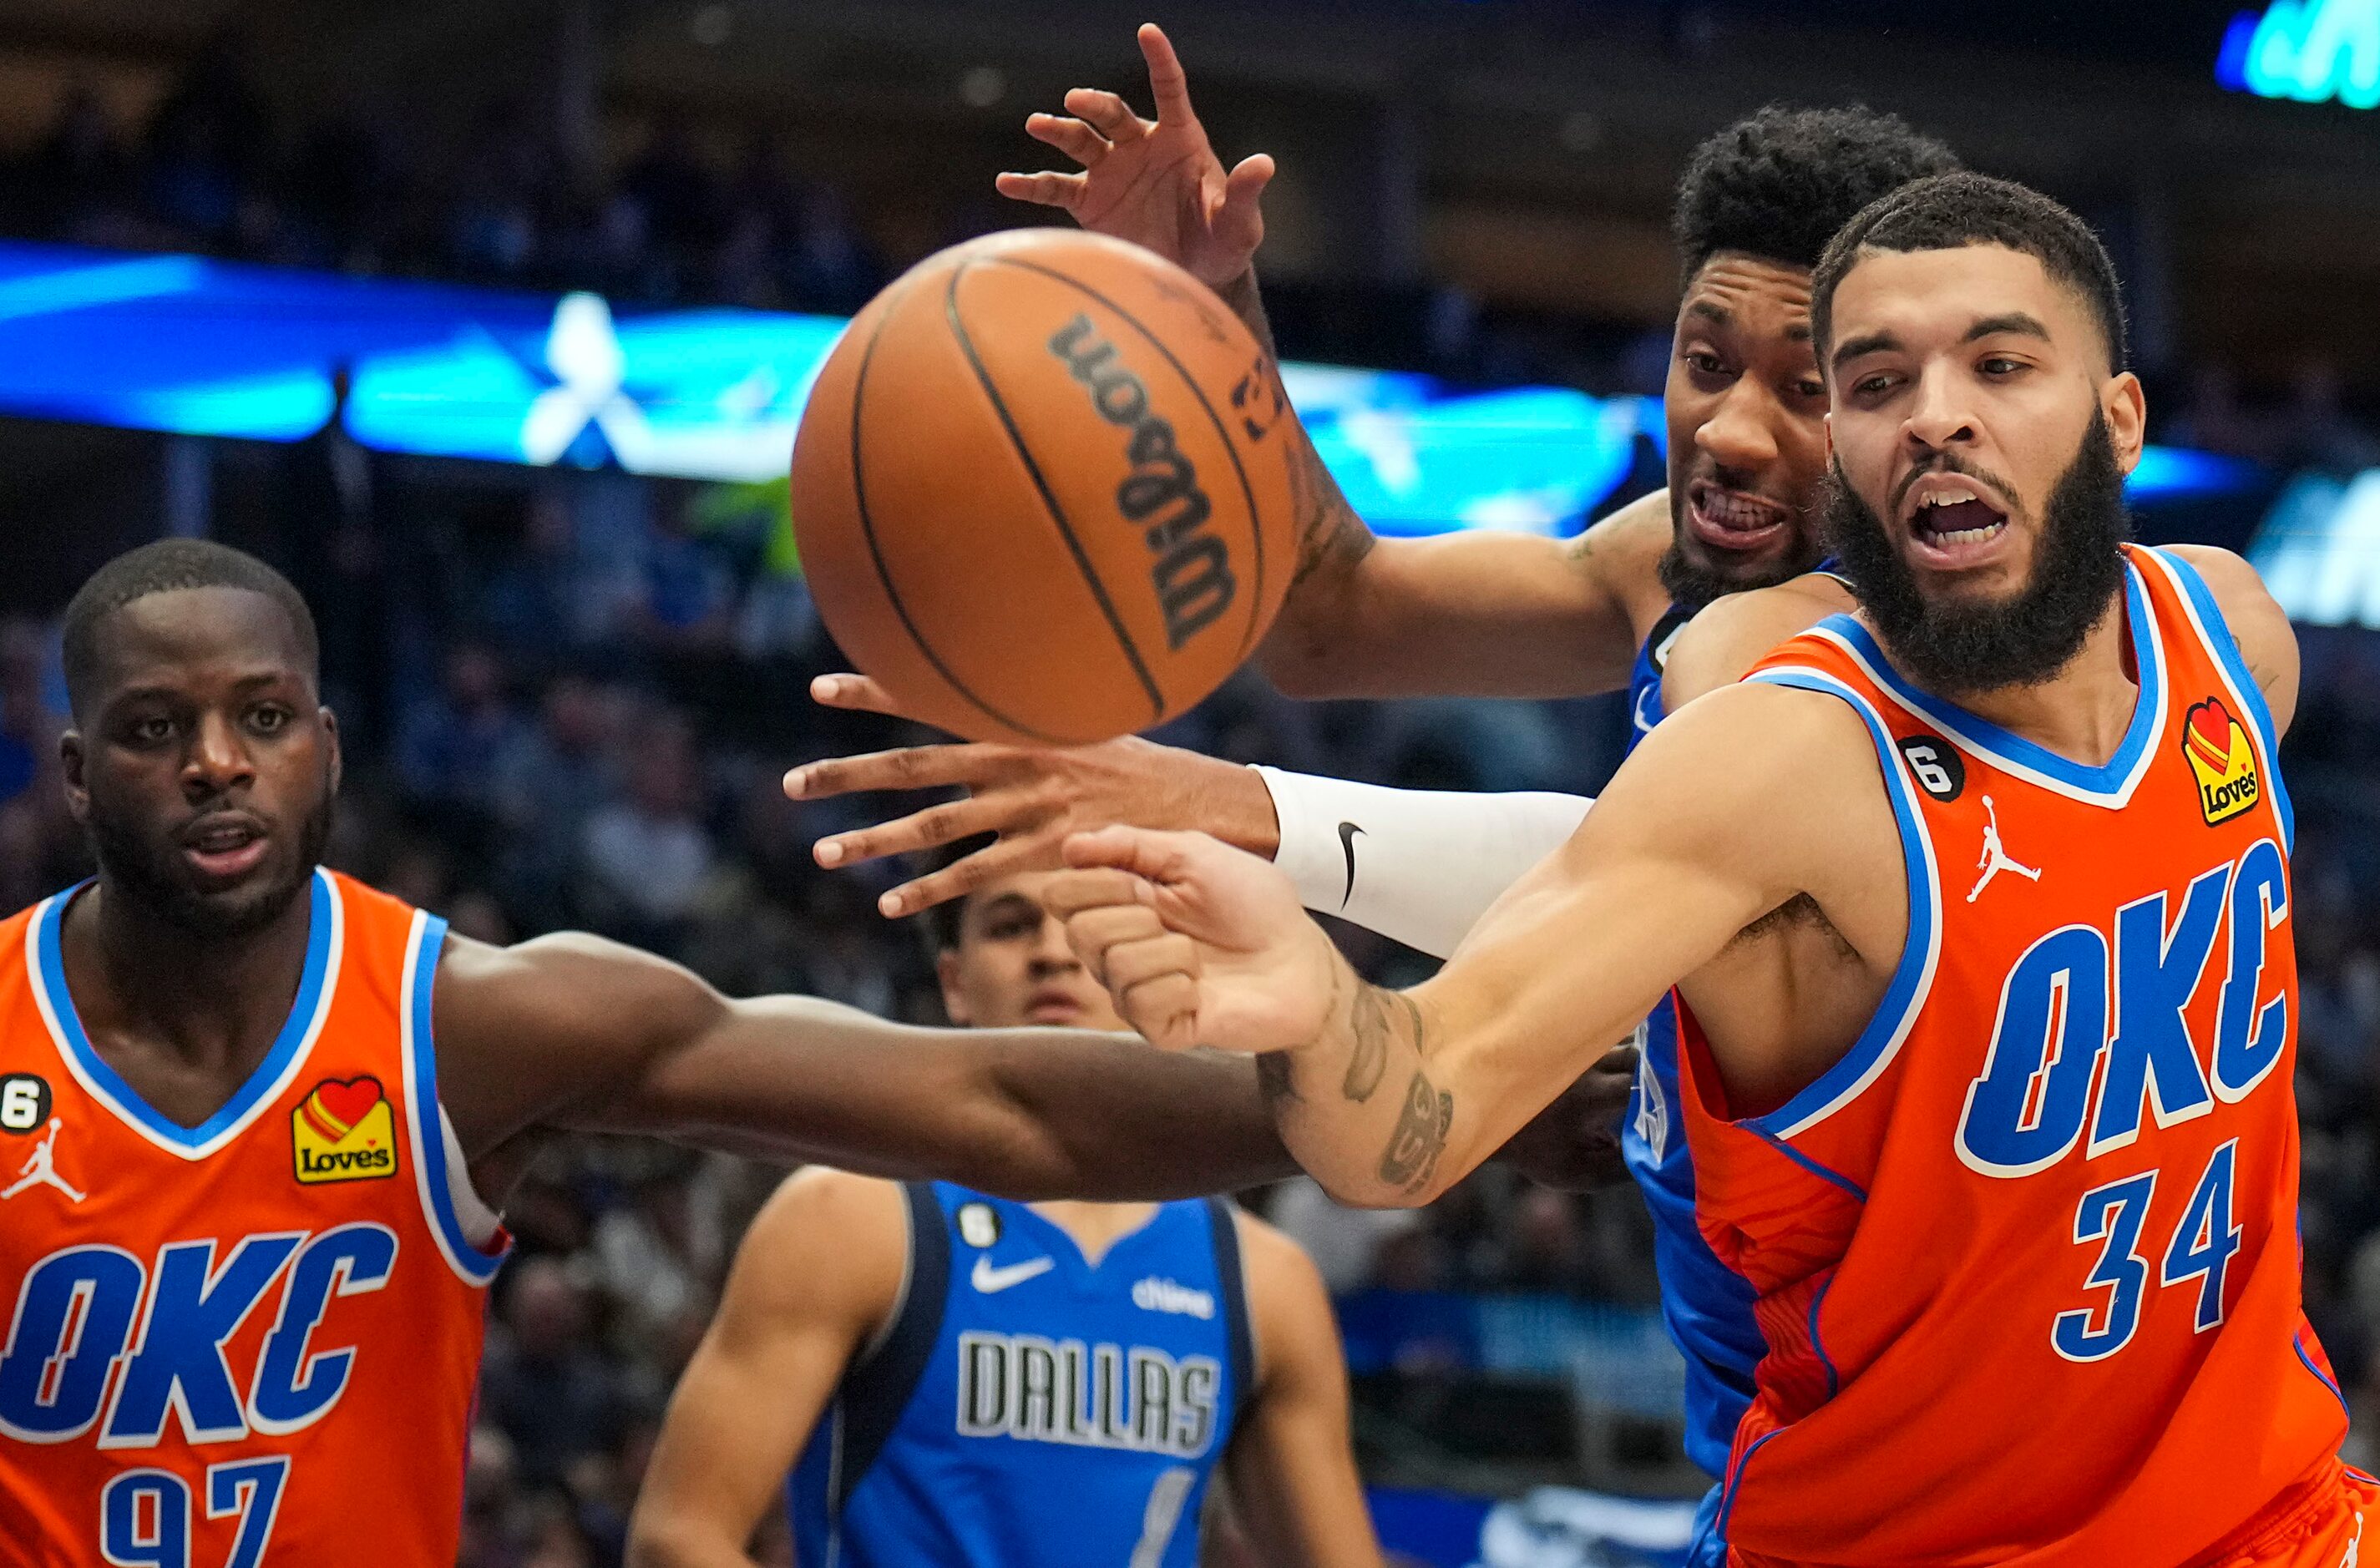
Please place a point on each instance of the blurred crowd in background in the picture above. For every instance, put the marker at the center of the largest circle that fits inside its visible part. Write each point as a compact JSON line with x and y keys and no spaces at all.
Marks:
{"x":690,"y":213}
{"x":215,"y":170}
{"x":568,"y":701}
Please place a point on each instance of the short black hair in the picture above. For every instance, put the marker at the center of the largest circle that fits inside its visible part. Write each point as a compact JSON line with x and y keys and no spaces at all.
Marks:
{"x":1779,"y":184}
{"x":165,"y":567}
{"x":1950,"y":212}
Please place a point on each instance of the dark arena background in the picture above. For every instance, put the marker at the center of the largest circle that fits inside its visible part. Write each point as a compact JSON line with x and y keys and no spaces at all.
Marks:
{"x":490,"y":322}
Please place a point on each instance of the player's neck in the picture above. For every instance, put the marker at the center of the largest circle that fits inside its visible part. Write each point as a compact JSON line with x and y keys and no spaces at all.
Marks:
{"x":1096,"y":1227}
{"x":2085,"y":711}
{"x":217,"y":1003}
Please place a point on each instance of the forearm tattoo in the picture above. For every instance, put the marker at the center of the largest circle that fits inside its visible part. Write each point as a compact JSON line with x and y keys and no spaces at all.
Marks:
{"x":1420,"y":1135}
{"x":1373,"y":1022}
{"x":1329,"y":531}
{"x":1247,"y":301}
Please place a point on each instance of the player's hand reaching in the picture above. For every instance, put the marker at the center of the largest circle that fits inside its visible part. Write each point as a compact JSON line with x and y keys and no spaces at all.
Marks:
{"x":1155,"y":183}
{"x":1199,"y":944}
{"x":1032,"y":796}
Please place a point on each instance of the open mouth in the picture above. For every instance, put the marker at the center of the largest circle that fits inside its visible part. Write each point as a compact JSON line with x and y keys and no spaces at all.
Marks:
{"x":225,"y":846}
{"x":1951,"y":520}
{"x":1734,"y":519}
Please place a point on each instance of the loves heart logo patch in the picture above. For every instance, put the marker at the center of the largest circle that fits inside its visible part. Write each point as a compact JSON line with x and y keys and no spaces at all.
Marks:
{"x":2215,"y":746}
{"x":344,"y":1131}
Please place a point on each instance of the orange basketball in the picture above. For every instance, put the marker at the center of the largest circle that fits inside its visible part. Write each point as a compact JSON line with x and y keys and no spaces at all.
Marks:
{"x":1042,"y":491}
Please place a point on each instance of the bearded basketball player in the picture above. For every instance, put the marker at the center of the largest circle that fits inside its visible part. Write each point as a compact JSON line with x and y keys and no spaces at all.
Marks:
{"x":2006,"y":1159}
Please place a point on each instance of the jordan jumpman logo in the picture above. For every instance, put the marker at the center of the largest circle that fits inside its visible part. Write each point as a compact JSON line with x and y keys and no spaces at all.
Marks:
{"x":1994,"y":858}
{"x":40,"y":1168}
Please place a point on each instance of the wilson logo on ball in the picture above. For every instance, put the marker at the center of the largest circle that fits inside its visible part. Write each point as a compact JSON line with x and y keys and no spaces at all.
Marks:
{"x":1192,"y":571}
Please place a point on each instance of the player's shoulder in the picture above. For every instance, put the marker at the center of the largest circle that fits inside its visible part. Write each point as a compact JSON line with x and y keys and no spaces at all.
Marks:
{"x":1755,"y":733}
{"x":819,"y":1207}
{"x":827,"y":1244}
{"x":2238,"y":588}
{"x":1731,"y":634}
{"x":1762,"y":778}
{"x":1266,"y":1246}
{"x":1288,"y":1306}
{"x":2257,"y":623}
{"x":1277,"y":1271}
{"x":1623,"y":552}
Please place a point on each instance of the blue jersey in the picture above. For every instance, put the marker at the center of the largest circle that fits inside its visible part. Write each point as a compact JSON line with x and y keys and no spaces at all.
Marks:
{"x":1706,"y":1304}
{"x":1023,"y":1408}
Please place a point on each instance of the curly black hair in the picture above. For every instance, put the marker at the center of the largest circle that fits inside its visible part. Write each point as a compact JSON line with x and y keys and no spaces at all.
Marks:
{"x":1779,"y":184}
{"x":161,"y":567}
{"x":1948,"y":211}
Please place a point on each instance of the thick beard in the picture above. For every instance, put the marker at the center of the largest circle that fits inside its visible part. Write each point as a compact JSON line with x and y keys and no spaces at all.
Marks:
{"x":1689,"y":585}
{"x":1959,"y":649}
{"x":136,"y":874}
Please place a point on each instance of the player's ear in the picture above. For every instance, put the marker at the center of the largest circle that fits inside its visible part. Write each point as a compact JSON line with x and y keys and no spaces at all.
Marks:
{"x":2125,"y":408}
{"x":70,"y":770}
{"x":336,"y":765}
{"x":954,"y":1003}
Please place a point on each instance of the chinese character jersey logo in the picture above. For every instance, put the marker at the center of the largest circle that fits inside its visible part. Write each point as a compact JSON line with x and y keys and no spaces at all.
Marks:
{"x":2221,"y":759}
{"x":343,"y":1132}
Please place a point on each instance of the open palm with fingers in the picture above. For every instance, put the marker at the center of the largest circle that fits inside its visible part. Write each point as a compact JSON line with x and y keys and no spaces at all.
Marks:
{"x":1155,"y":183}
{"x":1200,"y":944}
{"x":1032,"y":796}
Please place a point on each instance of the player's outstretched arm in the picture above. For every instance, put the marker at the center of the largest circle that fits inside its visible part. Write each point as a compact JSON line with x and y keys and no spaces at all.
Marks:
{"x":1418,"y":866}
{"x":1032,"y":798}
{"x":1292,"y":1463}
{"x":815,"y":1279}
{"x":1488,"y":615}
{"x":575,"y":1031}
{"x":1387,"y":1098}
{"x":1484,"y":614}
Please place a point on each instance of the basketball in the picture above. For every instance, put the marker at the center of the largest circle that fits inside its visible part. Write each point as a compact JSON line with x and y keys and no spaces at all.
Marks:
{"x":1042,"y":489}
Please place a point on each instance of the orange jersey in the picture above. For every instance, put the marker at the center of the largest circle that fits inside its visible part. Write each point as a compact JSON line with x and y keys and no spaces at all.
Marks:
{"x":2026,"y":1258}
{"x":254,"y":1341}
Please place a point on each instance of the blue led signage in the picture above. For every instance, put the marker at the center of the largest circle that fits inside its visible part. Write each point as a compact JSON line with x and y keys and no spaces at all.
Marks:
{"x":2312,"y":50}
{"x":192,"y":347}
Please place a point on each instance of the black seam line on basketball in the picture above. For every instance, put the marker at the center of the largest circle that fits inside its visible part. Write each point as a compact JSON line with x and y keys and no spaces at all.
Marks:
{"x":1057,"y":514}
{"x":883,"y":572}
{"x":1247,"y":491}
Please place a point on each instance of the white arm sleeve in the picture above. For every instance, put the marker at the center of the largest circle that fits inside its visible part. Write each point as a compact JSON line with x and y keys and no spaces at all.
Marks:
{"x":1419,"y":865}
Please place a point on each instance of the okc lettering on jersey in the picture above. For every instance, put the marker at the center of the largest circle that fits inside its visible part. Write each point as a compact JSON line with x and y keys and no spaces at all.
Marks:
{"x":2030,"y":1106}
{"x":76,"y":1314}
{"x":1101,"y":1396}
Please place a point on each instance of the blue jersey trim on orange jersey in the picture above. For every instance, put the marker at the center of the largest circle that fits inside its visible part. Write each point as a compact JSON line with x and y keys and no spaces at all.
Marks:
{"x":2297,"y":1342}
{"x":2108,"y":784}
{"x":1735,"y":1478}
{"x":1920,"y":950}
{"x":262,"y":1086}
{"x":1818,"y":1299}
{"x":1803,"y":1160}
{"x":475,"y":1264}
{"x":2216,"y":633}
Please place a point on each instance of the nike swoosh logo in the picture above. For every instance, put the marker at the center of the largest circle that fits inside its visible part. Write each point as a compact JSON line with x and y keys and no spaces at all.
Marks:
{"x":991,"y":1281}
{"x":1347,"y":832}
